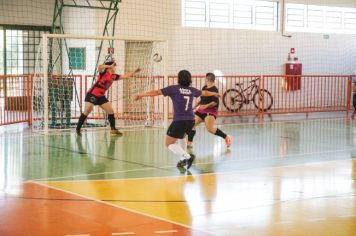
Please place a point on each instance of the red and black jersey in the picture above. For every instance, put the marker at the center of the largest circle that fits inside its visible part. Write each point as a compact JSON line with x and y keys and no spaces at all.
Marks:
{"x":207,"y":100}
{"x":103,"y":83}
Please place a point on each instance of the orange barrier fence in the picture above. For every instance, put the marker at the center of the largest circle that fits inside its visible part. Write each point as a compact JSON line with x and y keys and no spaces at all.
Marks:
{"x":308,"y":93}
{"x":15,"y":99}
{"x":269,"y":94}
{"x":241,"y":95}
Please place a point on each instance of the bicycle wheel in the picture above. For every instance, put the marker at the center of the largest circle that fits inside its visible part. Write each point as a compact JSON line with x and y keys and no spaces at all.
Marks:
{"x":233,"y":100}
{"x":263,"y":96}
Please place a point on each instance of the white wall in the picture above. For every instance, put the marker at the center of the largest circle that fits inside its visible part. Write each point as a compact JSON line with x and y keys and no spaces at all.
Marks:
{"x":140,"y":18}
{"x":81,"y":22}
{"x":201,"y":49}
{"x":252,"y":52}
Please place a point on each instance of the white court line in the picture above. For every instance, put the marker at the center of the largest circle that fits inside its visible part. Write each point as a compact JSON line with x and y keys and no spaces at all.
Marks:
{"x":101,"y":173}
{"x":244,"y":225}
{"x":120,"y":207}
{"x":283,"y":222}
{"x":198,"y":164}
{"x":347,"y":216}
{"x":165,"y":231}
{"x":317,"y":219}
{"x":124,"y":233}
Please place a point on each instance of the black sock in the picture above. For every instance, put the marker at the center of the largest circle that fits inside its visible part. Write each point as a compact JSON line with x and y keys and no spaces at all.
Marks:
{"x":191,"y":135}
{"x":111,"y":119}
{"x":220,"y":133}
{"x":81,"y":120}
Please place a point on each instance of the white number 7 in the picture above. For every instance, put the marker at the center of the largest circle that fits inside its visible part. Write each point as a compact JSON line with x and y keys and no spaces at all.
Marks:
{"x":186,"y":105}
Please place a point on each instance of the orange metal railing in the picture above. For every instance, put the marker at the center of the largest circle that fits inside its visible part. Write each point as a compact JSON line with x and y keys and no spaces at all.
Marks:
{"x":272,"y":94}
{"x":317,"y":93}
{"x":15,"y":99}
{"x":241,"y":95}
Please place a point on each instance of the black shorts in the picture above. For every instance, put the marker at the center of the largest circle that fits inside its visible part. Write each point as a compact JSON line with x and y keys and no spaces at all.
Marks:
{"x":203,"y":116}
{"x":96,"y":100}
{"x":179,"y":128}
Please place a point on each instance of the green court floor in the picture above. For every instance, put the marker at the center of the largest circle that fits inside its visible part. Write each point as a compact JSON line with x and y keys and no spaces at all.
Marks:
{"x":141,"y":153}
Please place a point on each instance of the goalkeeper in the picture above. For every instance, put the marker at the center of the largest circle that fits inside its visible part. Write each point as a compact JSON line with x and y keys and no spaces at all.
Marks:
{"x":96,"y":95}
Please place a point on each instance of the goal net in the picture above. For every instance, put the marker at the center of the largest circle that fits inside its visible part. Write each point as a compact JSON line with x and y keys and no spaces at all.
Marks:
{"x":66,"y":68}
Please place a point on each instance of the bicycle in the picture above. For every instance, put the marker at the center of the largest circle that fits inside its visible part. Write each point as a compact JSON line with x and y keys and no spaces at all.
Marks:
{"x":233,"y":99}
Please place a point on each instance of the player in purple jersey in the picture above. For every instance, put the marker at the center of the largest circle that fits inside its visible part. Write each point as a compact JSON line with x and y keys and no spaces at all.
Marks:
{"x":207,"y":112}
{"x":182,"y":96}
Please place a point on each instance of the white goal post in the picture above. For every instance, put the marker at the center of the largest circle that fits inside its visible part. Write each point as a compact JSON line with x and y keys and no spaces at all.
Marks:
{"x":66,"y":67}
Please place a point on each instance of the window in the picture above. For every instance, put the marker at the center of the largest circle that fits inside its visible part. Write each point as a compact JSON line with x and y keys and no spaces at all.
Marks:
{"x":266,"y":15}
{"x":315,"y":17}
{"x":219,"y":13}
{"x":333,"y":19}
{"x":77,"y":58}
{"x":295,"y":16}
{"x":320,"y":19}
{"x":31,"y":42}
{"x":18,"y":48}
{"x":14,"y":52}
{"x":243,"y":15}
{"x":237,"y":14}
{"x":350,"y":20}
{"x":194,"y":13}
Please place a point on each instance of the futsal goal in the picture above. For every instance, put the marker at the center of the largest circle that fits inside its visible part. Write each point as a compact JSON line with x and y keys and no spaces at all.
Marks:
{"x":66,"y":68}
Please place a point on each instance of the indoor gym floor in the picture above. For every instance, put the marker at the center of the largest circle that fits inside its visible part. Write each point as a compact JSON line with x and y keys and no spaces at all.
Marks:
{"x":278,"y":178}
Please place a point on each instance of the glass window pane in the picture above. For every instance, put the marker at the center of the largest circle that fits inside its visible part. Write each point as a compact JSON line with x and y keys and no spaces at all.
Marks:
{"x":241,"y":14}
{"x":194,"y":12}
{"x":320,"y":19}
{"x":20,"y":50}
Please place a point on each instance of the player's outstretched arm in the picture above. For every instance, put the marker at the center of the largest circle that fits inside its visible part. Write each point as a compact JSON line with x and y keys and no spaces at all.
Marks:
{"x":212,"y":104}
{"x":149,"y":94}
{"x":130,"y":74}
{"x":205,"y":93}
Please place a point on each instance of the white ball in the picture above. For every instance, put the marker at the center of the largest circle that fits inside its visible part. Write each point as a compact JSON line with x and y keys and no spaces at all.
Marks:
{"x":157,"y":57}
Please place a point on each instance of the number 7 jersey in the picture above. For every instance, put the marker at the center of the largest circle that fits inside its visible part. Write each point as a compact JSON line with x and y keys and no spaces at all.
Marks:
{"x":182,"y":99}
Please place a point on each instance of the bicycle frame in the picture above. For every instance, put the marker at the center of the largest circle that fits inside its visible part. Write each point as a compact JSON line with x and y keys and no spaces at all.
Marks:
{"x":250,"y":91}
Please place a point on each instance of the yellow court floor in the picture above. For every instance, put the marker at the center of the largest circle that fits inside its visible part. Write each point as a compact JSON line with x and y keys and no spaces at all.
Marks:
{"x":310,"y":199}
